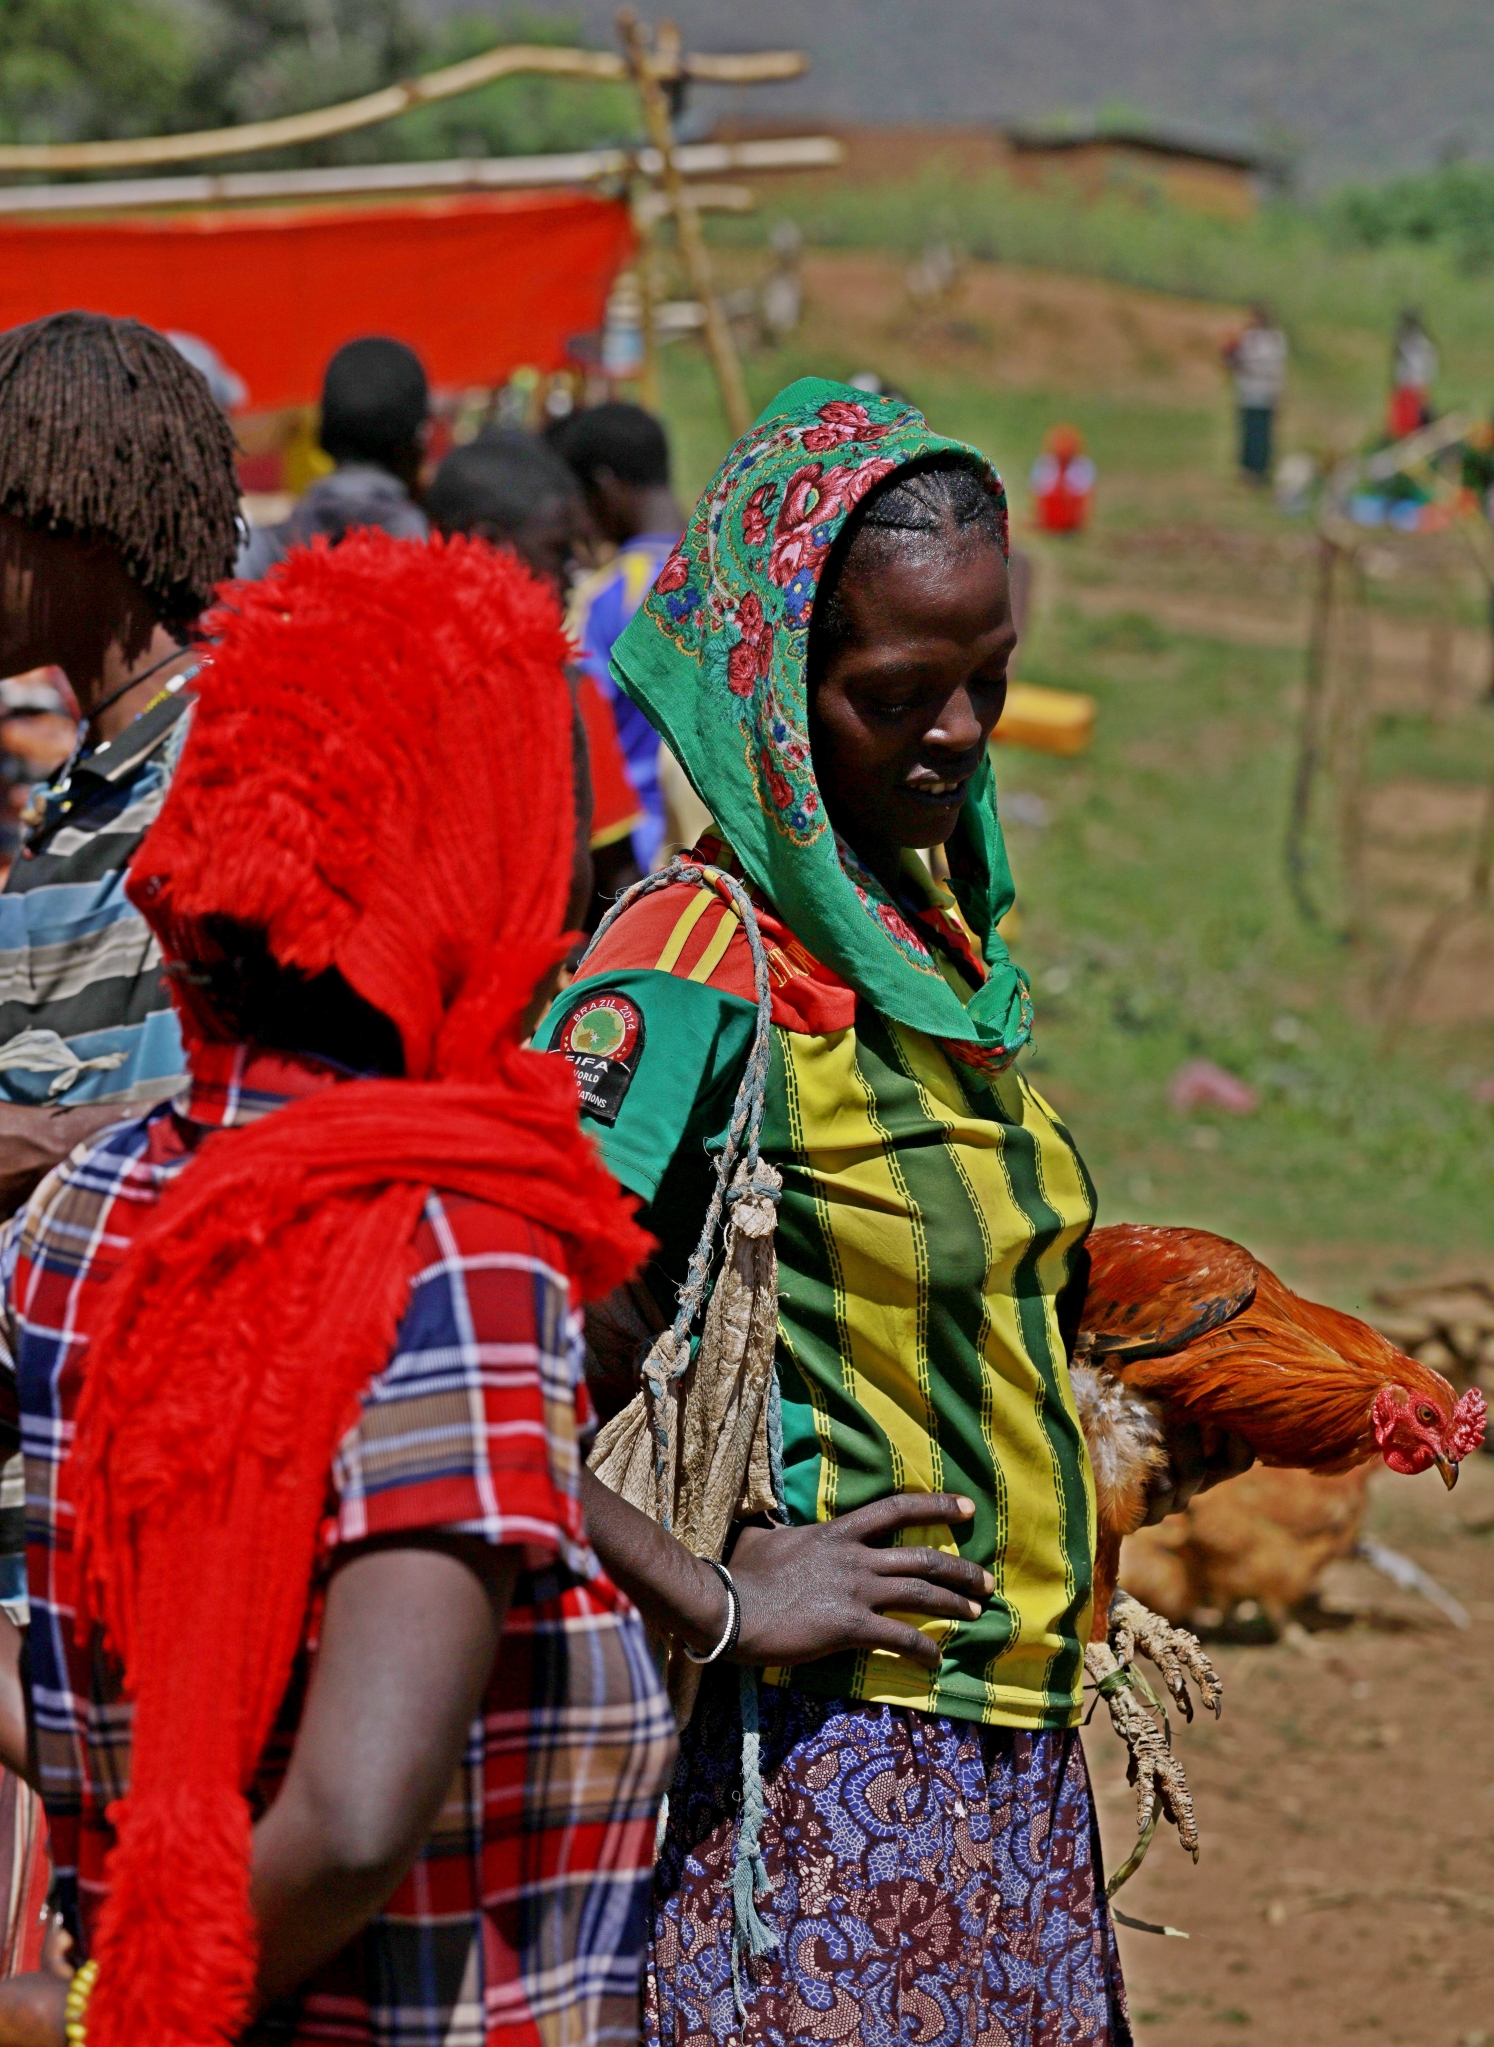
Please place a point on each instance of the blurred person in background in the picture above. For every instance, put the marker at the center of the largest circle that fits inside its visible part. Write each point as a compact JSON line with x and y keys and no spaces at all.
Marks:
{"x":118,"y":514}
{"x":620,"y":456}
{"x":1063,"y":482}
{"x":38,"y":730}
{"x":375,"y":404}
{"x":1413,"y":371}
{"x":1257,"y":359}
{"x":225,"y":383}
{"x":509,"y":488}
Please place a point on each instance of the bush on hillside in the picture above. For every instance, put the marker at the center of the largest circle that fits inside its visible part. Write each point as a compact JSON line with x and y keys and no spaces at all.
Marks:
{"x":1451,"y":207}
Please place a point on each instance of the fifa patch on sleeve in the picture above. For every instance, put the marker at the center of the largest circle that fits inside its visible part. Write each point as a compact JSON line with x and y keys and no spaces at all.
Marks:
{"x":602,"y":1036}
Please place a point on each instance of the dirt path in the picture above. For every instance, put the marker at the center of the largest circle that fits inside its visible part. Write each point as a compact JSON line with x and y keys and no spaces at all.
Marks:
{"x":1346,"y":1888}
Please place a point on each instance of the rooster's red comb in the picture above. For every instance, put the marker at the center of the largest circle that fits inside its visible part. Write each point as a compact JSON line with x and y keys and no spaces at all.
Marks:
{"x":1468,"y":1425}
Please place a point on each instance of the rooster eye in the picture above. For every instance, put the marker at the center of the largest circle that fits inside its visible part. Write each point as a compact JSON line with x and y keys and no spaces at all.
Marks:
{"x":1426,"y":1414}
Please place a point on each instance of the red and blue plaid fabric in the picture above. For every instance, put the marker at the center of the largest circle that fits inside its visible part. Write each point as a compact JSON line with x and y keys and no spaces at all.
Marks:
{"x":524,"y":1917}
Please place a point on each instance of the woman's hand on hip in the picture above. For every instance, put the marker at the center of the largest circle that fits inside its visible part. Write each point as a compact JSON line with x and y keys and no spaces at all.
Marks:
{"x":813,"y":1591}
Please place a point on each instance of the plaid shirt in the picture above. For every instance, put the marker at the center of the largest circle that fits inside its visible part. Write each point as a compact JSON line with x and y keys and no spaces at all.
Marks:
{"x":523,"y":1919}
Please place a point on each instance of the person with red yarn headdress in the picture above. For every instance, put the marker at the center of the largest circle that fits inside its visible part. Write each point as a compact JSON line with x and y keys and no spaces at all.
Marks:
{"x":343,"y":1731}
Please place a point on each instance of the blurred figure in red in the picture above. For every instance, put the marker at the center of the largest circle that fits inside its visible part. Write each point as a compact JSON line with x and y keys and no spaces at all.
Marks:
{"x":1063,"y":482}
{"x":1413,"y":371}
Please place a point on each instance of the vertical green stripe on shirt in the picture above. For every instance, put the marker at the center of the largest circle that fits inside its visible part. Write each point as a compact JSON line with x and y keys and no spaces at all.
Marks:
{"x":956,"y":1319}
{"x":809,"y":1262}
{"x":1039,"y":1274}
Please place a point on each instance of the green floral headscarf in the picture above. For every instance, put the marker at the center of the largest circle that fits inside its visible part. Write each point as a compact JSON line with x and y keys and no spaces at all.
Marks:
{"x":717,"y":659}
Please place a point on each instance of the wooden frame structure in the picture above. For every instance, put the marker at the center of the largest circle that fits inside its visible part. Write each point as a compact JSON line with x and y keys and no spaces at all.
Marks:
{"x":1337,"y":715}
{"x":660,"y":173}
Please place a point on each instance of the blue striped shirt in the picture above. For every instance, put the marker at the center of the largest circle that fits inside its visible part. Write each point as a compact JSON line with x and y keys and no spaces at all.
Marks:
{"x":85,"y":1012}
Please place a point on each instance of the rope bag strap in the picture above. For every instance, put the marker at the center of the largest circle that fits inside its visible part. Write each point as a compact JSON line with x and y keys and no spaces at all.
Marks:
{"x":744,"y":1129}
{"x":669,"y":1359}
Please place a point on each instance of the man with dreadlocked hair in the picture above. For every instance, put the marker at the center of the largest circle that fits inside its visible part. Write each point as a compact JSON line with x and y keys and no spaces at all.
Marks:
{"x":118,"y":514}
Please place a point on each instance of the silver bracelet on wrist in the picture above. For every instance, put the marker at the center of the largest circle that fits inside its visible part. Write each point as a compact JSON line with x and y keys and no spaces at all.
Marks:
{"x":733,"y":1626}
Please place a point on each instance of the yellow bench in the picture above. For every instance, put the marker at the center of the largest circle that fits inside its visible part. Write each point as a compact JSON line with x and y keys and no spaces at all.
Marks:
{"x":1046,"y":720}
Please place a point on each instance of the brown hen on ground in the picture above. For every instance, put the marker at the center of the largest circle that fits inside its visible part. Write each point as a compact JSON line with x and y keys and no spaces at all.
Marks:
{"x":1266,"y":1536}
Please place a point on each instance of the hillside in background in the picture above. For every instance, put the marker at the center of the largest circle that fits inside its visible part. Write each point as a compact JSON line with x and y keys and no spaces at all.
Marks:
{"x":1354,"y":88}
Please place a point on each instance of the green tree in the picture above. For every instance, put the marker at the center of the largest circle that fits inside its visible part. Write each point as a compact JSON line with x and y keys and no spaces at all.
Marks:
{"x":80,"y":69}
{"x":1451,"y":207}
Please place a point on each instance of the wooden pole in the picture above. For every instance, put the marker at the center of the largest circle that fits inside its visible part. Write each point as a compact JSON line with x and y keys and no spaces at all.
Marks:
{"x":696,"y":160}
{"x":390,"y":100}
{"x":648,"y":282}
{"x":656,"y":115}
{"x":1310,"y":747}
{"x":1352,"y":728}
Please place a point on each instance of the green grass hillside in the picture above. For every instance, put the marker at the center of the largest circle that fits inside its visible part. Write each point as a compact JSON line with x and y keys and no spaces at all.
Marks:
{"x":1337,"y":296}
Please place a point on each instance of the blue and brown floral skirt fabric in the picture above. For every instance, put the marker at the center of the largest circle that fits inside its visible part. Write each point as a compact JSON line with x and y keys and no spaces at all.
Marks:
{"x":935,"y":1884}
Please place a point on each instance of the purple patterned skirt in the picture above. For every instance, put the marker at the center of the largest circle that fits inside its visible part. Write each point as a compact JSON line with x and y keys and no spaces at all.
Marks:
{"x":935,"y":1884}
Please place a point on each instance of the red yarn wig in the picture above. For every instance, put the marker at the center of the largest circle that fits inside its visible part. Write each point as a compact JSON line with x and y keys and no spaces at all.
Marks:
{"x":378,"y":778}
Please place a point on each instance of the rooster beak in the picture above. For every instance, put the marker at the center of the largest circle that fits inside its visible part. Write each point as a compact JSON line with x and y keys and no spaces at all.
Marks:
{"x":1449,"y":1472}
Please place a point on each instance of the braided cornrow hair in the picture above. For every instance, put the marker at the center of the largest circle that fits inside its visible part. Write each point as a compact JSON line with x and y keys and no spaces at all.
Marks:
{"x":107,"y":434}
{"x":943,"y":498}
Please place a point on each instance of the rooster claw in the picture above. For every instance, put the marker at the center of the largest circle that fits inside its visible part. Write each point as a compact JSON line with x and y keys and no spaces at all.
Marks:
{"x":1154,"y":1770}
{"x":1177,"y":1654}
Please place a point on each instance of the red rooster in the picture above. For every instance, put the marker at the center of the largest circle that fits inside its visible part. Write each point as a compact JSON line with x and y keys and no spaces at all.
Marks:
{"x":1182,"y":1326}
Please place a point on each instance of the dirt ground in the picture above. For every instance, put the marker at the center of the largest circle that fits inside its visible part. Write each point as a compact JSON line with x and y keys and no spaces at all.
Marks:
{"x":1345,"y":1892}
{"x":1048,"y":332}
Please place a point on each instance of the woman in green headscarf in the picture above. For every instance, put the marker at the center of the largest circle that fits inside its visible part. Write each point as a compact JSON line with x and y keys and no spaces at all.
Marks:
{"x":825,"y":653}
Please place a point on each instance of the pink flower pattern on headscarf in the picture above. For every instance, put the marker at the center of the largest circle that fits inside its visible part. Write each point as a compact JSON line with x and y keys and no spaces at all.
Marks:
{"x":814,"y":497}
{"x":736,"y":599}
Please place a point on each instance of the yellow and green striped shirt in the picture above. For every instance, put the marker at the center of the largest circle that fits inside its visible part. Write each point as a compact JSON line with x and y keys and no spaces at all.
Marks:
{"x":926,"y":1237}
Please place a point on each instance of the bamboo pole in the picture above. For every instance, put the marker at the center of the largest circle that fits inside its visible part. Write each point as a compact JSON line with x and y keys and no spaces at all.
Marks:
{"x":384,"y":105}
{"x":462,"y":174}
{"x":656,"y":115}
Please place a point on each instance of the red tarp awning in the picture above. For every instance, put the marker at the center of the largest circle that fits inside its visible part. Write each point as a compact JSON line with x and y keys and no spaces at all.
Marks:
{"x":476,"y":285}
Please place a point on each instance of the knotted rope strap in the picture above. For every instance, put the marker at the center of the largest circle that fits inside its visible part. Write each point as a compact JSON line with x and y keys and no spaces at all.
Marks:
{"x":747,"y":1111}
{"x":740,"y":1177}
